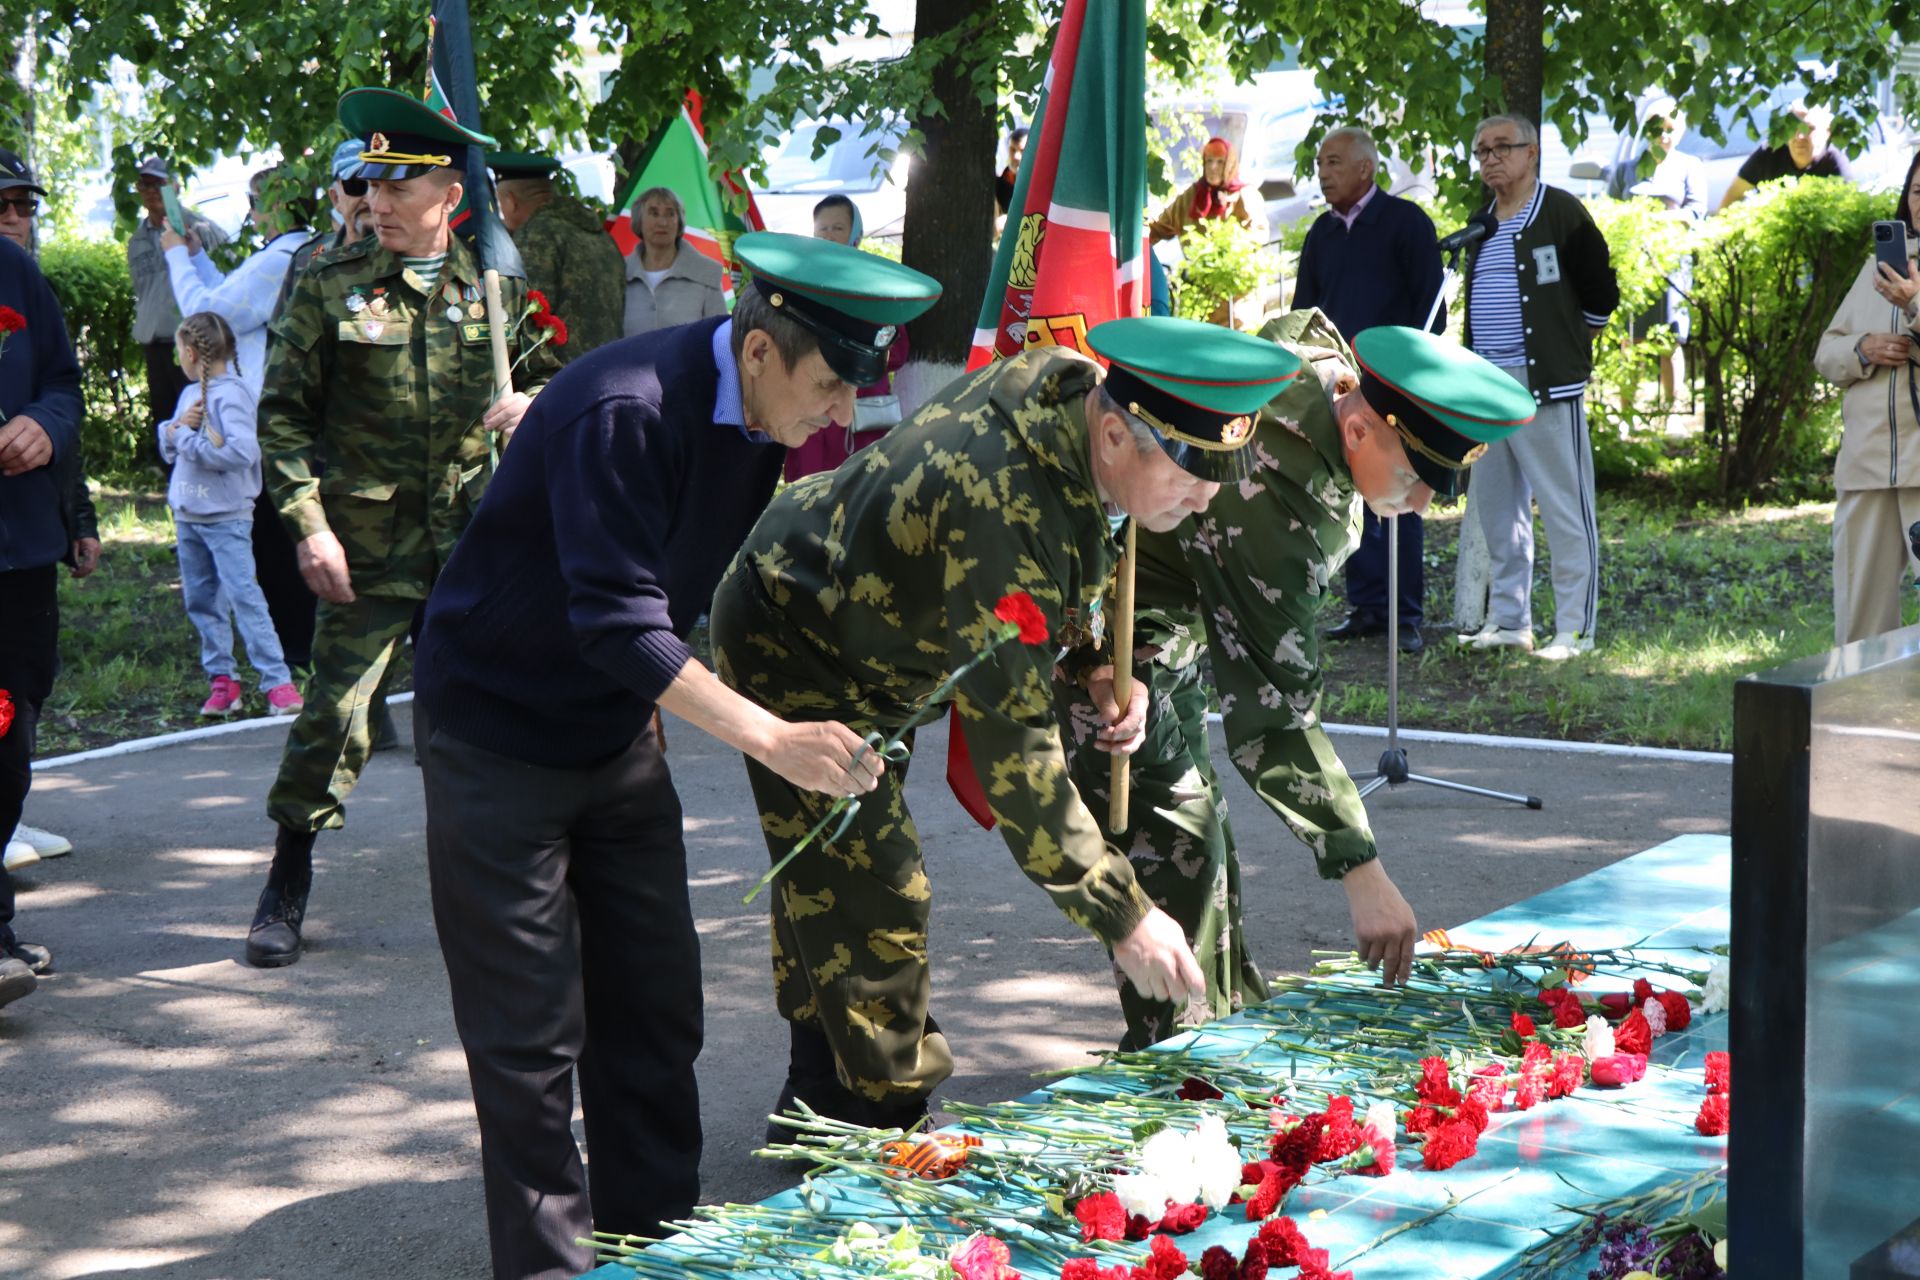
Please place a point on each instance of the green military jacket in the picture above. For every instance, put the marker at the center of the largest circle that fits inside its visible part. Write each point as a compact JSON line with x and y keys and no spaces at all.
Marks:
{"x":1257,"y":565}
{"x":370,"y":414}
{"x":572,"y":260}
{"x":890,"y":568}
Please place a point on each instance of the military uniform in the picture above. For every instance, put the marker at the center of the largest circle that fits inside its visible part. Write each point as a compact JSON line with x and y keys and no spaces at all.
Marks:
{"x":856,"y":595}
{"x":577,"y":265}
{"x":1252,"y":572}
{"x":370,"y":428}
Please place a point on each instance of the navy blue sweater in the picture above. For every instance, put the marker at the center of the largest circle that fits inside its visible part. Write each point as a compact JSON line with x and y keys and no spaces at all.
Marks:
{"x":562,"y":614}
{"x":1384,"y":271}
{"x":38,"y":378}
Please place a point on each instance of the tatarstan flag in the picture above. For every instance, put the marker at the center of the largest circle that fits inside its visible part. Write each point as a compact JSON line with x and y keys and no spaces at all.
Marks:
{"x":453,"y":91}
{"x":676,"y":158}
{"x":1074,"y":250}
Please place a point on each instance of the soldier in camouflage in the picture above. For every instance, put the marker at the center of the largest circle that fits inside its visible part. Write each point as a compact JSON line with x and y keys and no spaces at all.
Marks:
{"x":375,"y":424}
{"x":1253,"y":573}
{"x":567,"y":253}
{"x":855,"y":596}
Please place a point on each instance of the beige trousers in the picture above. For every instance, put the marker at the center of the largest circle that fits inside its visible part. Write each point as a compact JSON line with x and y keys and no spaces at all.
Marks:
{"x":1869,"y":551}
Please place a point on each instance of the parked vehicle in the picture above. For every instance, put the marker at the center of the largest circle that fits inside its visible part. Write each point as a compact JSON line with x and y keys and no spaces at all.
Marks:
{"x":851,"y":165}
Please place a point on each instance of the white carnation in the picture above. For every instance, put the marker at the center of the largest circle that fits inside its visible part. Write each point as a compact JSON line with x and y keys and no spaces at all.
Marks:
{"x":1714,"y":995}
{"x":1381,"y":1116}
{"x":1141,"y":1193}
{"x":1166,"y":1158}
{"x":1216,"y":1162}
{"x":1599,"y":1039}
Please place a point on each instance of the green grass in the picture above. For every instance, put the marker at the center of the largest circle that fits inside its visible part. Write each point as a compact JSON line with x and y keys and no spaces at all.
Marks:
{"x":1690,"y":600}
{"x":130,"y":664}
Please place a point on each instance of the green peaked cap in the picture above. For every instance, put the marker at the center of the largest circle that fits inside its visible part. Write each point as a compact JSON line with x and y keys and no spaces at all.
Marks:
{"x":521,"y":164}
{"x":1446,"y":403}
{"x":404,"y":136}
{"x":853,"y":302}
{"x":1197,"y":385}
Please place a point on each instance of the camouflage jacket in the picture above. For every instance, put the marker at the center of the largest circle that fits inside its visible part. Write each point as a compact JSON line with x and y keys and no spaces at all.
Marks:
{"x":1257,"y":565}
{"x":370,"y":416}
{"x":577,"y":265}
{"x":889,"y":570}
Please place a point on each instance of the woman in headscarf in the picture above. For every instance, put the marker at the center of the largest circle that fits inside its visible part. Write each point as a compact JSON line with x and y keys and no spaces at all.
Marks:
{"x":875,"y":408}
{"x":1219,"y":193}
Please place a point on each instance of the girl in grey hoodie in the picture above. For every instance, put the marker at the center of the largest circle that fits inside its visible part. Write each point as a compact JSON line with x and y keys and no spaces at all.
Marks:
{"x":211,"y":442}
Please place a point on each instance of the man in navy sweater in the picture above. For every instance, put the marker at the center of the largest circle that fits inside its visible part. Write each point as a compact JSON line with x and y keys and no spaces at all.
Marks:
{"x":39,"y":427}
{"x":1372,"y":259}
{"x":553,"y":831}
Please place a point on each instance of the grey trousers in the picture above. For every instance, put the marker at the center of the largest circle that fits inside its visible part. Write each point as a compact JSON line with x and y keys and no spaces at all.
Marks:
{"x":1550,"y":461}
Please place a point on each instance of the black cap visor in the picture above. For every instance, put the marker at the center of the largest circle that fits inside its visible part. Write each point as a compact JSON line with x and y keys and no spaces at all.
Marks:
{"x":846,"y":344}
{"x":1423,"y":438}
{"x":1176,"y":423}
{"x":10,"y":183}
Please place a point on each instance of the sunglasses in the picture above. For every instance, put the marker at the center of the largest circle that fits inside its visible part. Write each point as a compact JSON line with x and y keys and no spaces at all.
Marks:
{"x":355,"y":187}
{"x":23,"y":206}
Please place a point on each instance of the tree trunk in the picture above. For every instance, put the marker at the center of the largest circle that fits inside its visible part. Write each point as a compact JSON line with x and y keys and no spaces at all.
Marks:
{"x":1516,"y":53}
{"x":949,"y":220}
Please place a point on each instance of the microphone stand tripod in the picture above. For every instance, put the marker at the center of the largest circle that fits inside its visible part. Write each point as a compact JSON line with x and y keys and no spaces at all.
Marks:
{"x":1392,"y":771}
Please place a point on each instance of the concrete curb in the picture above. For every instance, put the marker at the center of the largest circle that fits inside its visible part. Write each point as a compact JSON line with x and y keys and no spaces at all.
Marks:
{"x":138,"y":745}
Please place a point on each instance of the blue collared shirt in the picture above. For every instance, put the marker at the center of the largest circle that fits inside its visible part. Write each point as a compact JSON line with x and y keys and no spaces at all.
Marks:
{"x":727,"y":409}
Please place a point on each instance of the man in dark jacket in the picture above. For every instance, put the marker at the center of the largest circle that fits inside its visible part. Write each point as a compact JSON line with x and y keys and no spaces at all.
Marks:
{"x":39,"y":427}
{"x":1539,"y":290}
{"x":1372,"y":259}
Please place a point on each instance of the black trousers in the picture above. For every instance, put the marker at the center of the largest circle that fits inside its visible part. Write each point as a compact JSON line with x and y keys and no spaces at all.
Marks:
{"x":29,"y":654}
{"x":560,"y":897}
{"x":165,"y":381}
{"x":289,"y":601}
{"x":1367,"y":569}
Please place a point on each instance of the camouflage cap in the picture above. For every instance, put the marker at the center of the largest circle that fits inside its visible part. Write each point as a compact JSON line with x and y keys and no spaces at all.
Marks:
{"x":1445,"y":403}
{"x":1196,"y":385}
{"x":404,"y":136}
{"x":853,"y":302}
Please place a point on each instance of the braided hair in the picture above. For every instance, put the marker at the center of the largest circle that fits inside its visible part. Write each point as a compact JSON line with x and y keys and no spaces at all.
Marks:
{"x":208,"y":335}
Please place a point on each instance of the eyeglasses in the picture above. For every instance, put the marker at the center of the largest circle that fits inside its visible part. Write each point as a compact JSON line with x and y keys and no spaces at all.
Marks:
{"x":22,"y":206}
{"x":1492,"y":149}
{"x":355,"y":187}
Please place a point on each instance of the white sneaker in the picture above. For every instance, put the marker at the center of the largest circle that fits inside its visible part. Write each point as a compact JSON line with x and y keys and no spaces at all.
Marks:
{"x":1567,"y":644}
{"x":45,"y":843}
{"x":1492,"y":637}
{"x":19,"y":854}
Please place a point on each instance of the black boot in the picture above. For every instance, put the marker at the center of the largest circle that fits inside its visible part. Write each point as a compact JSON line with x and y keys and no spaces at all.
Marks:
{"x":274,"y":939}
{"x":16,"y":980}
{"x":36,"y":958}
{"x":811,"y":1079}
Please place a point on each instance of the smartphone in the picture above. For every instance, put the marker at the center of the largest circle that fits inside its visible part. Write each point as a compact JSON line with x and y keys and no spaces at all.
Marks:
{"x":178,"y":220}
{"x":1890,"y":246}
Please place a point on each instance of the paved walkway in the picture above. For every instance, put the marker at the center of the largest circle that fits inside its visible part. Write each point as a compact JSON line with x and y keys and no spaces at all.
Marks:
{"x":170,"y":1113}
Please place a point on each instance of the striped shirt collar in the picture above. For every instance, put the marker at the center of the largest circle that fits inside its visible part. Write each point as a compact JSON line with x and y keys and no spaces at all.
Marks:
{"x":1526,"y":215}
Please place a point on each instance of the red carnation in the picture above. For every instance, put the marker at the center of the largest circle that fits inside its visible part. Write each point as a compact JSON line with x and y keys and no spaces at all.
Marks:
{"x":1451,"y":1143}
{"x":1528,"y":1092}
{"x":1217,"y":1264}
{"x":553,"y":324}
{"x":1422,"y":1119}
{"x":1474,"y":1112}
{"x":1315,"y":1267}
{"x":1435,"y":1087}
{"x":1642,"y":992}
{"x":1090,"y":1269}
{"x":1020,"y":610}
{"x":1182,"y":1218}
{"x":1569,"y":1013}
{"x":982,"y":1258}
{"x":1299,"y":1146}
{"x":1569,"y":1071}
{"x":6,"y":699}
{"x":1193,"y":1088}
{"x":1101,"y":1217}
{"x":1536,"y":1056}
{"x":1283,"y":1241}
{"x":1342,"y":1136}
{"x":1139,"y":1226}
{"x":1523,"y":1025}
{"x":1634,"y":1035}
{"x":538,"y":301}
{"x":1253,"y":1263}
{"x":1679,"y":1012}
{"x":1165,"y":1261}
{"x":1719,"y":1063}
{"x":1712,"y":1120}
{"x":11,"y":321}
{"x":1617,"y":1004}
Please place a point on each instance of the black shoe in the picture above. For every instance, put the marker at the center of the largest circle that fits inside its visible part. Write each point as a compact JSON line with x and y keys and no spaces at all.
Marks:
{"x":1358,"y":625}
{"x":274,"y":939}
{"x":16,"y":980}
{"x":811,"y":1078}
{"x":1411,"y":641}
{"x":386,"y":736}
{"x":38,"y":959}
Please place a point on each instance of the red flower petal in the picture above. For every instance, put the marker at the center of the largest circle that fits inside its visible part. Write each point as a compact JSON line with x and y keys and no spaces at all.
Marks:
{"x":1714,"y":1113}
{"x":1019,"y":609}
{"x":1719,"y":1063}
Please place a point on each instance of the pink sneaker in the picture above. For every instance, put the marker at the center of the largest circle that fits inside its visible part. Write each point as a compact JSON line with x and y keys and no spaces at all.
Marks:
{"x":284,"y":700}
{"x":223,"y":697}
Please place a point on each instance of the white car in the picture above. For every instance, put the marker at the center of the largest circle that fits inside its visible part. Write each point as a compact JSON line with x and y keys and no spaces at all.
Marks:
{"x":794,"y":180}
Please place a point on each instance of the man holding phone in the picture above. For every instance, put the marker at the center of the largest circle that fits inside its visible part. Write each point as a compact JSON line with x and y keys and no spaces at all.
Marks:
{"x":155,"y":313}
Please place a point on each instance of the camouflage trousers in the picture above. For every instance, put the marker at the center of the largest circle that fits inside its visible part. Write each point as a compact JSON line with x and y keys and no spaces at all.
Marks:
{"x":1177,"y":836}
{"x":849,"y":916}
{"x":331,"y":739}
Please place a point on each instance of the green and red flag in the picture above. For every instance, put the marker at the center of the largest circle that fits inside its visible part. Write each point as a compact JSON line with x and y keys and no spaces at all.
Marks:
{"x":454,"y":92}
{"x":719,"y":209}
{"x":1074,"y":251}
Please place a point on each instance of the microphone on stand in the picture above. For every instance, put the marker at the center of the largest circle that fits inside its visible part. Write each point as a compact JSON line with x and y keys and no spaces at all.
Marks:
{"x":1478,"y":228}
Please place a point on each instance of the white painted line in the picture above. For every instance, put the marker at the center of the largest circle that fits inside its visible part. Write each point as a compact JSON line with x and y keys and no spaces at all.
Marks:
{"x":1528,"y":744}
{"x":137,"y":745}
{"x":1868,"y":731}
